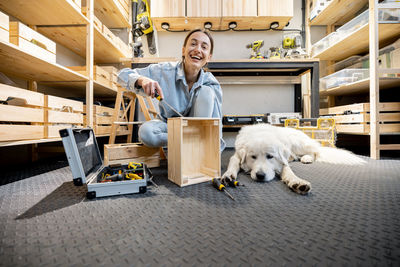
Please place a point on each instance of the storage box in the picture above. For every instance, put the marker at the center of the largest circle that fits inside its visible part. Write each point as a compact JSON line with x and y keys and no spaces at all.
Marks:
{"x":99,"y":74}
{"x":32,"y":42}
{"x":343,"y":77}
{"x":87,"y":167}
{"x":124,"y":153}
{"x":4,"y":27}
{"x":21,"y":114}
{"x":113,"y":71}
{"x":355,"y":118}
{"x":102,"y":120}
{"x":61,"y":113}
{"x":193,"y":150}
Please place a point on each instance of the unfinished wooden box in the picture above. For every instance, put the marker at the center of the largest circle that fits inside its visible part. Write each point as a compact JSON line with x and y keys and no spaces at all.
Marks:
{"x":355,"y":118}
{"x":4,"y":27}
{"x":113,"y":71}
{"x":193,"y":150}
{"x":102,"y":121}
{"x":32,"y":42}
{"x":61,"y":113}
{"x":137,"y":152}
{"x":21,"y":114}
{"x":99,"y":74}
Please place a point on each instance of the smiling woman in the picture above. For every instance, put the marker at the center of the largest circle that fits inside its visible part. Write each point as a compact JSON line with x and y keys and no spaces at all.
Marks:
{"x":184,"y":85}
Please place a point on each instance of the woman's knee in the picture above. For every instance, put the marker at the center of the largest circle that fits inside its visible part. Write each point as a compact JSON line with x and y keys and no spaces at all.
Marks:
{"x":153,"y":133}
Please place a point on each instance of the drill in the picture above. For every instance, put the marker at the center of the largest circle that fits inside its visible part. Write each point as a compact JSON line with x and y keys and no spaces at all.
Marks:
{"x":255,"y":46}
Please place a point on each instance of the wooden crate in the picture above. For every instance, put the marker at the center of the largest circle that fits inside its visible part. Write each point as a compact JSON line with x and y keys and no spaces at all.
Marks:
{"x":32,"y":42}
{"x":355,"y":118}
{"x":21,"y":114}
{"x":4,"y":27}
{"x":193,"y":150}
{"x":102,"y":121}
{"x":99,"y":74}
{"x":137,"y":152}
{"x":113,"y":71}
{"x":61,"y":113}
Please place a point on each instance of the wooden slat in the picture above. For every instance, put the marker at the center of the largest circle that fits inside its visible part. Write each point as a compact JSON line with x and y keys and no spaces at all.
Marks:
{"x":360,"y":107}
{"x":275,"y":8}
{"x":20,"y":114}
{"x":20,"y":132}
{"x":64,"y":117}
{"x":239,"y":8}
{"x":44,"y":12}
{"x":31,"y":98}
{"x":56,"y":102}
{"x":167,"y":8}
{"x":365,"y":128}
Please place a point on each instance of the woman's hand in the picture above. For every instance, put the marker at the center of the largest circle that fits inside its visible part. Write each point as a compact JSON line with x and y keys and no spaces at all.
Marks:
{"x":150,"y":86}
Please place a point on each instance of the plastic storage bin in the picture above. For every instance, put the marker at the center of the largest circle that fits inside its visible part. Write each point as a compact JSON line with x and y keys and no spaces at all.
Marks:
{"x":343,"y":77}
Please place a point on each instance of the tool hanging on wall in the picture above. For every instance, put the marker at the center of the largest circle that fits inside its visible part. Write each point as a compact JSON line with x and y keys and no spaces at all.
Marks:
{"x":142,"y":25}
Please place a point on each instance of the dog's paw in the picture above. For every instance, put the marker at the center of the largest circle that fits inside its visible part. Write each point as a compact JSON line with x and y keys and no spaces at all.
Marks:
{"x":300,"y":186}
{"x":228,"y":176}
{"x":306,"y":159}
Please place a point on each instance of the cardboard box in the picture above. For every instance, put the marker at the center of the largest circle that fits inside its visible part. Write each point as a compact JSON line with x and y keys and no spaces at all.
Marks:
{"x":124,"y":153}
{"x":4,"y":27}
{"x":32,"y":42}
{"x":87,"y":167}
{"x":193,"y":150}
{"x":21,"y":114}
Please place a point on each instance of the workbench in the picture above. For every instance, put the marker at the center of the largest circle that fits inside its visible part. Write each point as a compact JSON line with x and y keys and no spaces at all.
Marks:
{"x":263,"y":67}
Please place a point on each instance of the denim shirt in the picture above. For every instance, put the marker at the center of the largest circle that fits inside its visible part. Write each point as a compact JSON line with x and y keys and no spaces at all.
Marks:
{"x":171,"y":78}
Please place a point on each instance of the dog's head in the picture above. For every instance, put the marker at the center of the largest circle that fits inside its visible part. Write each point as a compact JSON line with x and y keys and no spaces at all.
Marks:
{"x":262,"y":156}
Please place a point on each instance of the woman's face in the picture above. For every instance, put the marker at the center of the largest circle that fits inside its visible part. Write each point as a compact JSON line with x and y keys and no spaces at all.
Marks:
{"x":197,"y":50}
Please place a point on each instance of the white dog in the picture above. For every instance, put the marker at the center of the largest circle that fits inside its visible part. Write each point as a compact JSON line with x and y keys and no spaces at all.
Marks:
{"x":265,"y":150}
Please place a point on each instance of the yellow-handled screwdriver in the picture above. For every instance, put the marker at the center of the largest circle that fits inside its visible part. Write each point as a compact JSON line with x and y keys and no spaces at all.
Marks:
{"x":158,"y":97}
{"x":217,"y":184}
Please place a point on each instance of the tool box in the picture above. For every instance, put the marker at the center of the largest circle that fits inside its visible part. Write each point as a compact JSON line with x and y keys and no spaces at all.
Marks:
{"x":243,"y":120}
{"x":87,"y":167}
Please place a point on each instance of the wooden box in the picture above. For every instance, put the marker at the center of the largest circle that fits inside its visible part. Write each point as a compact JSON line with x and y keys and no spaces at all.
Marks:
{"x":113,"y":71}
{"x":99,"y":74}
{"x":355,"y":118}
{"x":4,"y":27}
{"x":21,"y":114}
{"x":137,"y":152}
{"x":61,"y":113}
{"x":193,"y":150}
{"x":32,"y":42}
{"x":102,"y":121}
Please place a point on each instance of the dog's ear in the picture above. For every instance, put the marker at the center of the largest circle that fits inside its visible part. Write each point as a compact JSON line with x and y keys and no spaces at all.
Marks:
{"x":282,"y":154}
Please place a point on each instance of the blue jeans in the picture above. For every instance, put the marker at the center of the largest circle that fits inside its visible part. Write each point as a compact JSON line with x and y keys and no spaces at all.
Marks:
{"x":154,"y":133}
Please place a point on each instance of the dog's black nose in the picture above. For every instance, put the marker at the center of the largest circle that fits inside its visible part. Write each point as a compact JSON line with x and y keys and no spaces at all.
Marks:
{"x":260,"y":176}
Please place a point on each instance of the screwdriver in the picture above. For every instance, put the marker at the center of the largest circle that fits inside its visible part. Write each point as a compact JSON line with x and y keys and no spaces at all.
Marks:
{"x":234,"y":183}
{"x":217,"y":184}
{"x":158,"y":97}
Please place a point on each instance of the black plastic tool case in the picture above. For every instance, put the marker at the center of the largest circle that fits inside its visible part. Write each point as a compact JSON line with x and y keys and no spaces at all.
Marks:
{"x":86,"y":164}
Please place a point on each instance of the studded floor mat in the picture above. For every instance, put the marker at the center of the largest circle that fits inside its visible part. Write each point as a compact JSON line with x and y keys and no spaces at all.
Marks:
{"x":350,"y":218}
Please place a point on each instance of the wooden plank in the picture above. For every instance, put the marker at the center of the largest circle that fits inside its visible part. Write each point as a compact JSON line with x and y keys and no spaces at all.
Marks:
{"x":44,"y":12}
{"x":10,"y":113}
{"x":30,"y":67}
{"x":64,"y":117}
{"x":112,"y":13}
{"x":20,"y":132}
{"x":365,"y":118}
{"x":358,"y":42}
{"x":338,"y":12}
{"x":361,"y":86}
{"x":56,"y":102}
{"x":365,"y":128}
{"x":31,"y":98}
{"x":360,"y":107}
{"x":275,"y":8}
{"x":204,"y":8}
{"x":18,"y":29}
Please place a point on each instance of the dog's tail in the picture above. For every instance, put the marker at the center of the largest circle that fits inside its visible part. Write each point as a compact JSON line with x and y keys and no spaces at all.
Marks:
{"x":338,"y":156}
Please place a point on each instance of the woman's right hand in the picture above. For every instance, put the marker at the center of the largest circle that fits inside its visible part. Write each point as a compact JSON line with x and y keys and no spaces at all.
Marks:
{"x":150,"y":86}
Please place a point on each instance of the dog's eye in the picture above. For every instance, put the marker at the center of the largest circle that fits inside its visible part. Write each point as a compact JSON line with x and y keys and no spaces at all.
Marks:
{"x":269,"y":156}
{"x":253,"y":157}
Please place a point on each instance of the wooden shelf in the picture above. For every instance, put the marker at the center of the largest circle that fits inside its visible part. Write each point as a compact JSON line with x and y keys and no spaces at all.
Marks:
{"x":79,"y":89}
{"x":338,"y":12}
{"x":358,"y":42}
{"x":109,"y":12}
{"x":74,"y":38}
{"x":18,"y":63}
{"x":44,"y":12}
{"x":361,"y":86}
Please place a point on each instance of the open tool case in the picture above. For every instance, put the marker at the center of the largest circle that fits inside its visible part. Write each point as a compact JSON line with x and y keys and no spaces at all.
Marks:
{"x":87,"y":167}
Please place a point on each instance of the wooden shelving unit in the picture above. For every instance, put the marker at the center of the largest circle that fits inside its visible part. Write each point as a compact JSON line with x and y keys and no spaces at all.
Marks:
{"x":338,"y":12}
{"x":357,"y":43}
{"x":367,"y":38}
{"x":63,"y":22}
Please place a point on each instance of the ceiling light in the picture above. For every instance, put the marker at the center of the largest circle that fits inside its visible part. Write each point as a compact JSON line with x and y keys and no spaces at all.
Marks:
{"x":274,"y":25}
{"x":165,"y":25}
{"x":207,"y":25}
{"x":232,"y":25}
